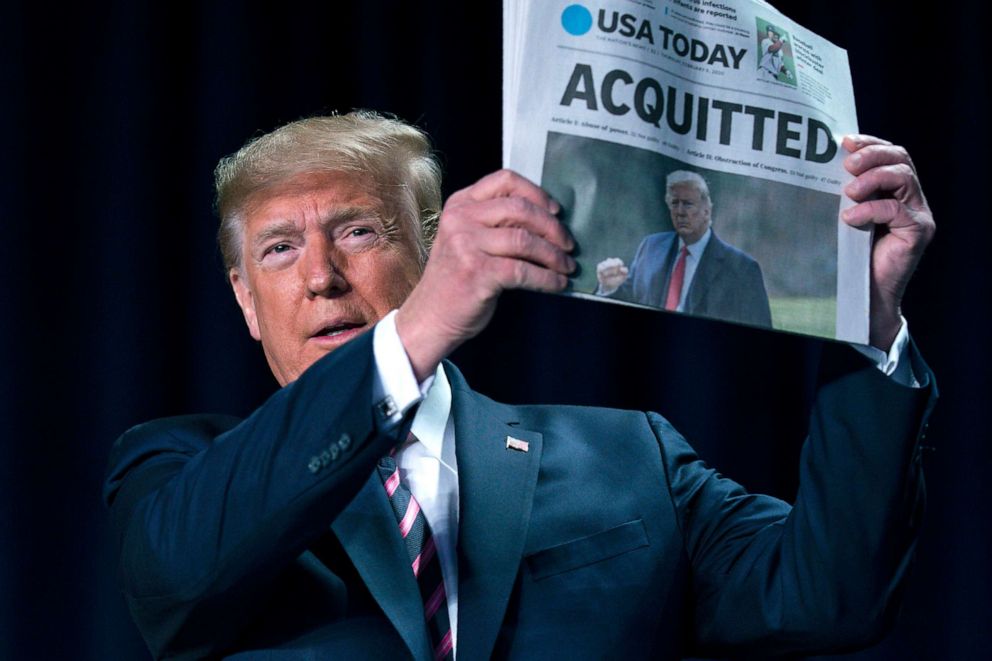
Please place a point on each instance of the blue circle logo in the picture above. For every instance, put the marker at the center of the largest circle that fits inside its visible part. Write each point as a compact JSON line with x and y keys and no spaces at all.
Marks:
{"x":576,"y":20}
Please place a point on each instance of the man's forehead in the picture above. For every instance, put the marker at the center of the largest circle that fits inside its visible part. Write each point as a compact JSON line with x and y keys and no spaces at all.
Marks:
{"x":323,"y":195}
{"x":684,"y":189}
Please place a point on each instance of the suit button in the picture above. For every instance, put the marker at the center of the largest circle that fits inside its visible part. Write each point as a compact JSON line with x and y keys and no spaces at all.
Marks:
{"x":344,"y":442}
{"x":314,"y":464}
{"x":334,"y":452}
{"x":325,"y":458}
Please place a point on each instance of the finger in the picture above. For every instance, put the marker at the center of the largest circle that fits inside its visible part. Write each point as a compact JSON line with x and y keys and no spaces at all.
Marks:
{"x":518,"y":243}
{"x":855,"y":141}
{"x":518,"y":274}
{"x":874,"y":156}
{"x":618,"y":271}
{"x":899,"y":179}
{"x":609,"y":262}
{"x":512,"y":212}
{"x":609,"y":271}
{"x":875,"y":212}
{"x":505,"y":183}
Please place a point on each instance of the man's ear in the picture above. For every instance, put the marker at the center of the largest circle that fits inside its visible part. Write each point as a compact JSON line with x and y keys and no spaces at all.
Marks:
{"x":246,"y":300}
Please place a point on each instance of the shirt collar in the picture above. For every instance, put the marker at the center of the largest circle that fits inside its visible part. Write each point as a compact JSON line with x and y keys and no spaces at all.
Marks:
{"x":432,"y":417}
{"x":698,"y":247}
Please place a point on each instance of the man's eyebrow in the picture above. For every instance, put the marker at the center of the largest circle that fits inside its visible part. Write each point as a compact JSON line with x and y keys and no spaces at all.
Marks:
{"x":278,"y":229}
{"x":344,"y":214}
{"x":341,"y":215}
{"x":287,"y":228}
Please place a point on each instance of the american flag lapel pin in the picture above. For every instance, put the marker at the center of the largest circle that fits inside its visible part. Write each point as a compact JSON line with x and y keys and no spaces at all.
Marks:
{"x":517,"y":444}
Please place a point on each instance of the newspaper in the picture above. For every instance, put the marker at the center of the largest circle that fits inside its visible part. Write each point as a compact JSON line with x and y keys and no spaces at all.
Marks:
{"x":708,"y":125}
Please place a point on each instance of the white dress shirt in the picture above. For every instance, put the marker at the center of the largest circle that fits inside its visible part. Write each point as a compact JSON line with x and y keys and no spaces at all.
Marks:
{"x":428,"y":466}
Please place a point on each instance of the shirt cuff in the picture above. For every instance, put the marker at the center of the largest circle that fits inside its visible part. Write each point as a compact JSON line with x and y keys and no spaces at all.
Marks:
{"x":896,"y":363}
{"x":394,"y":387}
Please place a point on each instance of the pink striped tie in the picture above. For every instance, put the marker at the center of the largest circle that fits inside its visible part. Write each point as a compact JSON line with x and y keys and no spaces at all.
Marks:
{"x":423,"y":557}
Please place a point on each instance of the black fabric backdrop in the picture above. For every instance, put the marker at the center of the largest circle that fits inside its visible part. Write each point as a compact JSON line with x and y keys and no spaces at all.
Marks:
{"x":116,"y":310}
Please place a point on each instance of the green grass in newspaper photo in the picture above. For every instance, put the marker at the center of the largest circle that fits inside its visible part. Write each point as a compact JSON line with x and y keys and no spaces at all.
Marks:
{"x":816,"y":316}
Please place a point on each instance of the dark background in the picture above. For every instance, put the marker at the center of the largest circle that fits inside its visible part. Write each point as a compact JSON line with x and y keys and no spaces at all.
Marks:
{"x":116,"y":310}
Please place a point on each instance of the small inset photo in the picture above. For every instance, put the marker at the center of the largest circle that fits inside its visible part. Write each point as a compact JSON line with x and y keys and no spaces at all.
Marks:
{"x":775,"y":61}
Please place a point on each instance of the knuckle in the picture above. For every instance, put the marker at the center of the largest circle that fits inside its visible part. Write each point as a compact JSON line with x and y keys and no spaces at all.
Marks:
{"x":520,"y":239}
{"x":903,"y":169}
{"x":519,"y":273}
{"x":451,"y":215}
{"x":505,"y":176}
{"x":890,"y":207}
{"x":461,"y":241}
{"x":518,"y":206}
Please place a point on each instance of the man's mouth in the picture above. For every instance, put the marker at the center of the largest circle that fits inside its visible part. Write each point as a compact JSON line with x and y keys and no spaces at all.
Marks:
{"x":334,"y":330}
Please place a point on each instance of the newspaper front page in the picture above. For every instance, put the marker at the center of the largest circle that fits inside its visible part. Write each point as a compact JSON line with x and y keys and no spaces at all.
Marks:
{"x":694,"y":147}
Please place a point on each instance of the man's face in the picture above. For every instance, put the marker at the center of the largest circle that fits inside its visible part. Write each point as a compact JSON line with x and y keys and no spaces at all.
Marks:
{"x":322,"y":261}
{"x":690,"y":214}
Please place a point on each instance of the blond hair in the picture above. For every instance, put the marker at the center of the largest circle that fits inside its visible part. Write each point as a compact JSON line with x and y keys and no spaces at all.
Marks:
{"x":395,"y":156}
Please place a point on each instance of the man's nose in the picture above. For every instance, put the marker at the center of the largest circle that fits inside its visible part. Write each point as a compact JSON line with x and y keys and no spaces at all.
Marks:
{"x":322,"y":270}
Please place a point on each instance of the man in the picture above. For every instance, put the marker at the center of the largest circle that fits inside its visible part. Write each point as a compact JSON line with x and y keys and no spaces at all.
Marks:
{"x":307,"y":529}
{"x":691,"y":269}
{"x":770,"y":64}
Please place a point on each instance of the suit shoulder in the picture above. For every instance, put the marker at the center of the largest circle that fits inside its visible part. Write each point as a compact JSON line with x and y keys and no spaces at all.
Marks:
{"x":733,"y":253}
{"x":585,"y":419}
{"x":552,"y":416}
{"x":658,"y":238}
{"x":177,"y":435}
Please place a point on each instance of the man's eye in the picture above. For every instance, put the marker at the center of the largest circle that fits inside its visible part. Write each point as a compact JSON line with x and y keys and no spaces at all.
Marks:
{"x":360,"y":231}
{"x":279,"y":248}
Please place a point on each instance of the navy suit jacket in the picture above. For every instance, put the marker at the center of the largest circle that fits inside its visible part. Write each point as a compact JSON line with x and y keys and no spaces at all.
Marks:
{"x":727,"y":284}
{"x":272,"y":538}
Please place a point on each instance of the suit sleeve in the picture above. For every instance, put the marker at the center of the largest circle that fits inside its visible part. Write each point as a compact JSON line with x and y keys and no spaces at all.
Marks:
{"x":207,"y":510}
{"x":754,"y":300}
{"x":826,"y":574}
{"x":625,"y":292}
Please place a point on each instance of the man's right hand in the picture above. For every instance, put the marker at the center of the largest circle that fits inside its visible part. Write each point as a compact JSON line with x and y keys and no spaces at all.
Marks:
{"x":499,"y":233}
{"x":611,"y":273}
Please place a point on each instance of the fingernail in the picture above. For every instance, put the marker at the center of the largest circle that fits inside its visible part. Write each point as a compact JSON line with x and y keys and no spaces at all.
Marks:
{"x":572,"y":264}
{"x":569,"y":239}
{"x":855,"y":159}
{"x":846,"y":214}
{"x":554,"y":206}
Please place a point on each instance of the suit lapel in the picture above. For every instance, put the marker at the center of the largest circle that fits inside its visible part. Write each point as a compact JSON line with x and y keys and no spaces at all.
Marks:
{"x":658,"y":287}
{"x":496,"y":489}
{"x":709,"y":268}
{"x":368,"y":532}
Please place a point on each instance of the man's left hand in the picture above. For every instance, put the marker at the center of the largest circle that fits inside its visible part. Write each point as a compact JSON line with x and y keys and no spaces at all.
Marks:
{"x":889,"y":196}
